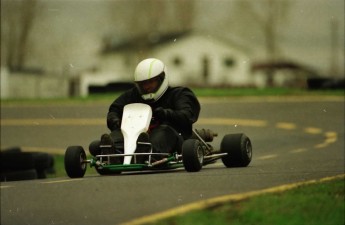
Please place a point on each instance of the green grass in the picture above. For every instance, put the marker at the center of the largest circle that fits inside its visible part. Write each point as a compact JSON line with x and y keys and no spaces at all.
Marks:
{"x":221,"y":92}
{"x":60,"y":167}
{"x":200,"y":92}
{"x":311,"y":204}
{"x":321,"y":203}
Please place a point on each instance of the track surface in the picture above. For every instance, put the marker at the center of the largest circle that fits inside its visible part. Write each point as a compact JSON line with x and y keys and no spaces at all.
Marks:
{"x":294,"y":139}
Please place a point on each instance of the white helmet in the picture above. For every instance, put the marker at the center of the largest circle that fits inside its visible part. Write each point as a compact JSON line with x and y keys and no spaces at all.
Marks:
{"x":151,"y":79}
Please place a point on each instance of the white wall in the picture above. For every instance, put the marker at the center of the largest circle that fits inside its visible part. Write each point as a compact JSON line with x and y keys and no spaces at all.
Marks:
{"x":192,"y":51}
{"x":4,"y":83}
{"x":29,"y":86}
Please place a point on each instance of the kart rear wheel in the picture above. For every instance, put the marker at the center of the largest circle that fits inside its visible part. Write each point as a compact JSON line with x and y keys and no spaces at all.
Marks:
{"x":107,"y":172}
{"x":239,"y":149}
{"x":94,"y":148}
{"x":192,"y":155}
{"x":75,"y":165}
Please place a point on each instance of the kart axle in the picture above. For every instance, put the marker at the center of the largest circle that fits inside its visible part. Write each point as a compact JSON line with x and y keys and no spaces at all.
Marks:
{"x":133,"y":154}
{"x":215,"y":155}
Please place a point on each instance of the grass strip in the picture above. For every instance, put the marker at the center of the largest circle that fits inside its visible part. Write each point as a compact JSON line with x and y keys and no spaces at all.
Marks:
{"x":59,"y":166}
{"x":199,"y":92}
{"x":221,"y":92}
{"x":315,"y":203}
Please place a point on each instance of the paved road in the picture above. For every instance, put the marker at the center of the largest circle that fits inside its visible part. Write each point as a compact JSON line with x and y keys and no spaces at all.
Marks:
{"x":294,"y":140}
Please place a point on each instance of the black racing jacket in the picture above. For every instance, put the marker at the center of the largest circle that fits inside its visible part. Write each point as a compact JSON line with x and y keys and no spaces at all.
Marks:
{"x":182,"y":106}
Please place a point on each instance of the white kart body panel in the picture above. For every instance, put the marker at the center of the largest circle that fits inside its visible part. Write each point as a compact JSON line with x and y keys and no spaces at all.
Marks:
{"x":136,"y":119}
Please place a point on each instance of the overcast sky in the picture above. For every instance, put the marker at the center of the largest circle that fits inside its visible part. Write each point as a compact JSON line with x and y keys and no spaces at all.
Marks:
{"x":69,"y":32}
{"x":305,"y":35}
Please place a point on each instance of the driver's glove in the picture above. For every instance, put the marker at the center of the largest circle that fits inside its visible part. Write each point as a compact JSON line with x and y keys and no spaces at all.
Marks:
{"x":113,"y":123}
{"x":160,"y":114}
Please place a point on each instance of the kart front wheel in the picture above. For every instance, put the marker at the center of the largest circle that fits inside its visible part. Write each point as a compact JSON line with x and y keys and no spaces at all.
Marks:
{"x":238,"y":148}
{"x":192,"y":155}
{"x":75,"y":164}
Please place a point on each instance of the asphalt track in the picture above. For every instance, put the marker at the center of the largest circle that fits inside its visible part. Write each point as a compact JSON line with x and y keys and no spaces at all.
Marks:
{"x":294,"y":139}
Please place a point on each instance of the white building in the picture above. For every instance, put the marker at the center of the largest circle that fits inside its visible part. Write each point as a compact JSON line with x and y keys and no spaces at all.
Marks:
{"x":191,"y":59}
{"x":201,"y":60}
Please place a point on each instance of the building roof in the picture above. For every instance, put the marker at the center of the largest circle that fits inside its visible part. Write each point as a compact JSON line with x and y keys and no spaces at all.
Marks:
{"x":280,"y":65}
{"x":150,"y":40}
{"x":115,"y":44}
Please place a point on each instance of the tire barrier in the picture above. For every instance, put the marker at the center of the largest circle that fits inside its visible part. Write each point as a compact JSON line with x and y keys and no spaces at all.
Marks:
{"x":18,"y":165}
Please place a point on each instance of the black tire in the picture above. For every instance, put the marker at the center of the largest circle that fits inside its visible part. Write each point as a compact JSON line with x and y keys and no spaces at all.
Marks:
{"x":43,"y":163}
{"x":94,"y":148}
{"x":239,"y":149}
{"x":107,"y":172}
{"x":192,"y":155}
{"x":74,"y":165}
{"x":18,"y":175}
{"x":11,"y":150}
{"x":13,"y":160}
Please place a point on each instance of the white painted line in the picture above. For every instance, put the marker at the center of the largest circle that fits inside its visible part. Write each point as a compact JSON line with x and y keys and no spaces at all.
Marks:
{"x":6,"y":186}
{"x":60,"y":181}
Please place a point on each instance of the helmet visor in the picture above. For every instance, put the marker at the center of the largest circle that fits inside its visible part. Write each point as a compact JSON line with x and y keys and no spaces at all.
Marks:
{"x":151,"y":85}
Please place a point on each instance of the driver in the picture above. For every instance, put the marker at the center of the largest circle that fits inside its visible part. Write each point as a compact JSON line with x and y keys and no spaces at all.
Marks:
{"x":174,"y":109}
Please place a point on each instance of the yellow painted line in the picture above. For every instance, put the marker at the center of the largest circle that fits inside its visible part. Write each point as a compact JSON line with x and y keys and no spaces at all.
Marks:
{"x":199,"y":205}
{"x":298,"y":150}
{"x":39,"y":149}
{"x":101,"y":122}
{"x":43,"y":149}
{"x":313,"y":130}
{"x":286,"y":126}
{"x":331,"y":134}
{"x":52,"y":122}
{"x":330,"y":137}
{"x":321,"y":145}
{"x":267,"y":157}
{"x":331,"y":140}
{"x":60,"y":181}
{"x":232,"y":122}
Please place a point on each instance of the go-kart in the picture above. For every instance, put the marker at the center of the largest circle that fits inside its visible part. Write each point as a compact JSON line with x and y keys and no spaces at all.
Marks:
{"x":235,"y":150}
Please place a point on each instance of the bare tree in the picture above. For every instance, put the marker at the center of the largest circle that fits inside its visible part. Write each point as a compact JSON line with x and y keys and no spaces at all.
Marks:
{"x":183,"y":16}
{"x":17,"y":20}
{"x":162,"y":16}
{"x":147,"y":20}
{"x":265,"y":16}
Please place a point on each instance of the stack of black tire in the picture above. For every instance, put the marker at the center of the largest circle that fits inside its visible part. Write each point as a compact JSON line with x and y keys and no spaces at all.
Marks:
{"x":18,"y":165}
{"x":325,"y":83}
